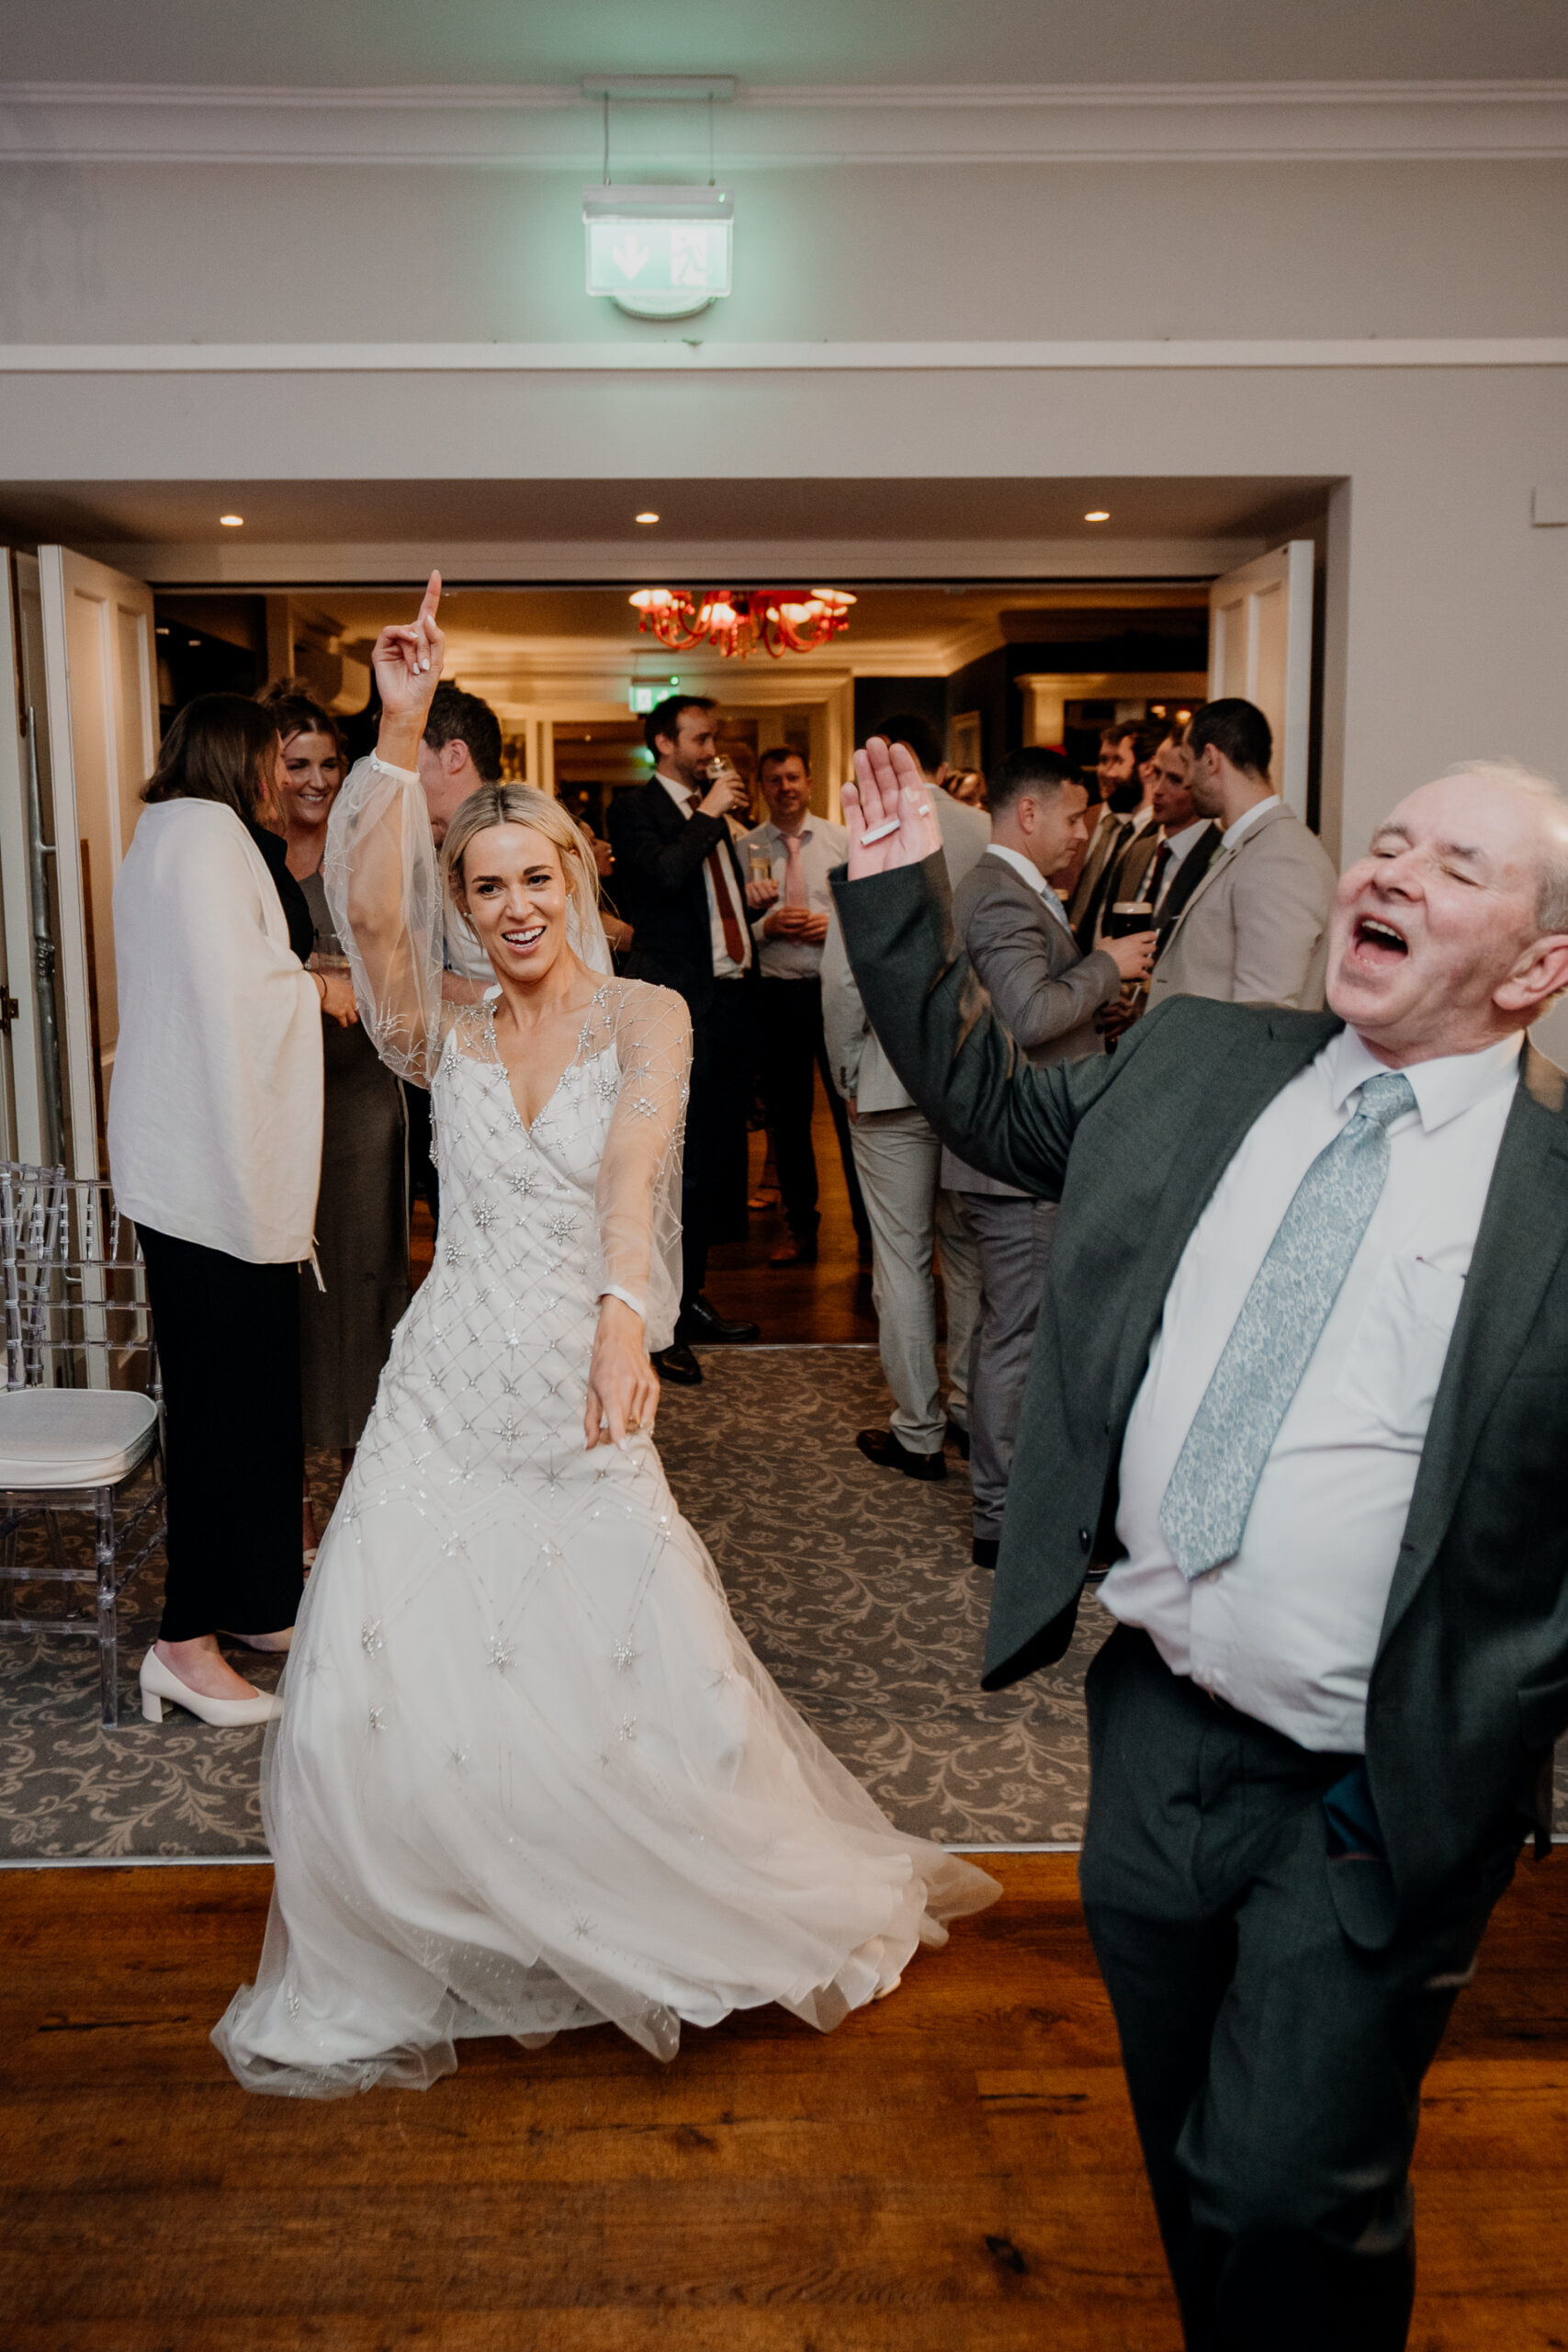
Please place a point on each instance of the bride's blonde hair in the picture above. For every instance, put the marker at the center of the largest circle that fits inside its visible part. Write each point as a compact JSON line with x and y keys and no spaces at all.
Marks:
{"x":520,"y":804}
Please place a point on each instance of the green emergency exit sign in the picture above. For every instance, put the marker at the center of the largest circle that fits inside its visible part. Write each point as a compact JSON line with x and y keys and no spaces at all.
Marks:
{"x":660,"y":252}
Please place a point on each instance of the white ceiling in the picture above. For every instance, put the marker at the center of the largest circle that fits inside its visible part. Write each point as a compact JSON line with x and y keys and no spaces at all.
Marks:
{"x":301,"y":43}
{"x":455,"y":514}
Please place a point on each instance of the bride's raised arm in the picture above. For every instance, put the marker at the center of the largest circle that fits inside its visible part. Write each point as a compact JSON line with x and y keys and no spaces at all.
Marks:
{"x":380,"y":873}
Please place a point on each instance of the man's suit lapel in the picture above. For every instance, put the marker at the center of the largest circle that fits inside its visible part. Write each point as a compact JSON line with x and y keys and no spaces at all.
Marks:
{"x":1222,"y":858}
{"x":1523,"y":1231}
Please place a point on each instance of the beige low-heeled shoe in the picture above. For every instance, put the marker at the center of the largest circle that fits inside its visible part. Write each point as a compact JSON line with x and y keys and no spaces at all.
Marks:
{"x":160,"y":1682}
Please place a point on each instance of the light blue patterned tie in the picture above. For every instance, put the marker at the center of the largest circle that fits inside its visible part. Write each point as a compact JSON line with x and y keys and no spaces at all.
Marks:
{"x":1272,"y":1339}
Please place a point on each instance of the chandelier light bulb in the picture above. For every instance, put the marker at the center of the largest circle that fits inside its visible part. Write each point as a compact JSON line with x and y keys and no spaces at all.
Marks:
{"x":231,"y":522}
{"x":647,"y":516}
{"x":1098,"y":515}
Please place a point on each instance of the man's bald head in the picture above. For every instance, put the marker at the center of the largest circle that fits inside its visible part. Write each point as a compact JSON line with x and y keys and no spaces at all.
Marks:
{"x":1452,"y":933}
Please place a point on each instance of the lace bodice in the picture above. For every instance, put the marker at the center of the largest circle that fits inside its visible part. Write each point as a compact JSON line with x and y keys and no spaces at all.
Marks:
{"x":618,"y":1108}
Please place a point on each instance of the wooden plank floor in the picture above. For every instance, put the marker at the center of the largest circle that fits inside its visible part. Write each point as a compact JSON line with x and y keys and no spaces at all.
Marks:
{"x":955,"y":2168}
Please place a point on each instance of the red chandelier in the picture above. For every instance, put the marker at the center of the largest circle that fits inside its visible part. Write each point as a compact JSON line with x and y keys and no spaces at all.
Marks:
{"x":737,"y":620}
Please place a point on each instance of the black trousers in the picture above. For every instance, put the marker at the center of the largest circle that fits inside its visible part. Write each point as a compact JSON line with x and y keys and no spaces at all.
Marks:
{"x":227,"y":1336}
{"x":1275,"y":2067}
{"x":791,"y":1050}
{"x":712,"y":1171}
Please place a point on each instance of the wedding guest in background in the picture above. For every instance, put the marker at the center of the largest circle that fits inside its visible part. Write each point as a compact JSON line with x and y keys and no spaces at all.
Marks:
{"x":1015,"y":931}
{"x":898,"y":1160}
{"x":968,"y":786}
{"x":459,"y":750}
{"x":1160,"y":870}
{"x":348,"y":1316}
{"x":682,"y":888}
{"x":1255,"y":929}
{"x":1125,"y":775}
{"x":617,"y":932}
{"x":796,"y":851}
{"x":215,"y":1152}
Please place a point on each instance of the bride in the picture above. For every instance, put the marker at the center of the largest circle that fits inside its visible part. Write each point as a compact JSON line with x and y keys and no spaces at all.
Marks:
{"x":527,"y":1774}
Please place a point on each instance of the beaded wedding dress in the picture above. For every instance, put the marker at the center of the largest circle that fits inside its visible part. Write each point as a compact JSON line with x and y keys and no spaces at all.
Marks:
{"x":528,"y":1774}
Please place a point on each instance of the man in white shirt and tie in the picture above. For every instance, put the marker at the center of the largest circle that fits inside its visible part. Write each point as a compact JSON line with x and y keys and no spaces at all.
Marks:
{"x":1302,"y":1378}
{"x":796,"y":851}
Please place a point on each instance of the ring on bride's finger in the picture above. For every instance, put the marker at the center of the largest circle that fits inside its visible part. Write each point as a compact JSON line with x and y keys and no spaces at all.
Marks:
{"x":634,"y":1429}
{"x":880,"y":832}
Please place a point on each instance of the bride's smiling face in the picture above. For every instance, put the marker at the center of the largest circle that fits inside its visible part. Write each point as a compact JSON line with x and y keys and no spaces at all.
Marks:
{"x":513,"y":890}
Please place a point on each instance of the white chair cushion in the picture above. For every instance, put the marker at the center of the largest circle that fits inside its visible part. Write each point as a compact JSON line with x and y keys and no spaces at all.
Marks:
{"x":73,"y":1437}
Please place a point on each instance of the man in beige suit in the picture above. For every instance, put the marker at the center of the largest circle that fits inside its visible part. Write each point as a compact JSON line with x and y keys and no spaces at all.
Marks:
{"x":1255,"y":929}
{"x":898,"y":1160}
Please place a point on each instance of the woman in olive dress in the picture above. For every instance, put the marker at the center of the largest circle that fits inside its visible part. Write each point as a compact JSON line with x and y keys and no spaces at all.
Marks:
{"x":362,"y":1214}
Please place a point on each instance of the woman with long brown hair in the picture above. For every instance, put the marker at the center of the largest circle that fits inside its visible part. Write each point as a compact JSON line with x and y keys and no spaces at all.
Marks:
{"x":215,"y":1150}
{"x":346,"y":1319}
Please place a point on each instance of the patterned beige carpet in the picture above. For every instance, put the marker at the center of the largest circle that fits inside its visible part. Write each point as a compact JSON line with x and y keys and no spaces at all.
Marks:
{"x":854,"y":1585}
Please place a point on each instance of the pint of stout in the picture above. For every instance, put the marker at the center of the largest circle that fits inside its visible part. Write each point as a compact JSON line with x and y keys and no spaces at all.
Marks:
{"x":1127,"y":916}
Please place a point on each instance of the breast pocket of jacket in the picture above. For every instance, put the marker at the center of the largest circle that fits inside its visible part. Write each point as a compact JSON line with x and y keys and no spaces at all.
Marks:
{"x":1399,"y":1345}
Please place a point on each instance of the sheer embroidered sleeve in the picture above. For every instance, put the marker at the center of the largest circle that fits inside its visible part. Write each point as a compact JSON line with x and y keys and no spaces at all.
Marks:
{"x":384,"y":890}
{"x":638,"y":1193}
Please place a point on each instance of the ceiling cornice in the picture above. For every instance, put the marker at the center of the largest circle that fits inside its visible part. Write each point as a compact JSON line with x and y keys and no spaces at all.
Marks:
{"x":777,"y":126}
{"x":699,"y":355}
{"x":523,"y":562}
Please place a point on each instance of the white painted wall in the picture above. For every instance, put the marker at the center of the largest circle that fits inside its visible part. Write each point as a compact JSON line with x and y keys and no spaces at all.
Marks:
{"x":1447,"y":610}
{"x":311,"y":252}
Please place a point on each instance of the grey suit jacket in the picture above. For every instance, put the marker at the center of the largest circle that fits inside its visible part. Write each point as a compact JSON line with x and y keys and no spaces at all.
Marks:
{"x":862,"y":1071}
{"x":1043,"y":990}
{"x":1255,"y":929}
{"x":1470,"y":1688}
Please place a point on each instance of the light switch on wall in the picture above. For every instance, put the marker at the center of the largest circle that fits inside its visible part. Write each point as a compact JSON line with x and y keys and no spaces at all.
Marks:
{"x":1548,"y":506}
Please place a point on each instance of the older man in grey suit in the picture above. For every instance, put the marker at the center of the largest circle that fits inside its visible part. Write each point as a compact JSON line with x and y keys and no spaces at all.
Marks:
{"x":898,"y":1160}
{"x":1255,"y":929}
{"x":1048,"y":993}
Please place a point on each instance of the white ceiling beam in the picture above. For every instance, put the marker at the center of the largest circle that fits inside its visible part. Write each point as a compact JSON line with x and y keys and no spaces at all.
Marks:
{"x":774,"y":127}
{"x":345,"y":564}
{"x":696,"y":356}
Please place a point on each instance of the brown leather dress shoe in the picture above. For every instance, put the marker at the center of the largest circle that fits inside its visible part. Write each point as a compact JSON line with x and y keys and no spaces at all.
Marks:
{"x":883,"y":1448}
{"x":678,"y":1365}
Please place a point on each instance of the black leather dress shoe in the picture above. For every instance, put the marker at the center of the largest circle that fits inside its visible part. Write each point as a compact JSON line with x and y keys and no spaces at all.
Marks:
{"x":983,"y":1550}
{"x":883,"y":1448}
{"x":701,"y":1323}
{"x":678,"y":1365}
{"x":959,"y":1438}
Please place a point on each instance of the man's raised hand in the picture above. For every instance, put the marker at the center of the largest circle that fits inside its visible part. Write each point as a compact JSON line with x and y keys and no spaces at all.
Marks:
{"x":888,"y":811}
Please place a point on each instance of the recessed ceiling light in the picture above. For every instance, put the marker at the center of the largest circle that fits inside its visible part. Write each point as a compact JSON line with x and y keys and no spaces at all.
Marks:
{"x":231,"y":522}
{"x":647,"y":516}
{"x":1098,"y":515}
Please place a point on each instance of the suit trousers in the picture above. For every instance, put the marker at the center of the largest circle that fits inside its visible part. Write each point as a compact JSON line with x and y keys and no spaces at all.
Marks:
{"x":791,"y":1050}
{"x":228,"y":1335}
{"x":1274,"y":2067}
{"x":713,"y":1167}
{"x":899,"y":1159}
{"x":1014,"y":1237}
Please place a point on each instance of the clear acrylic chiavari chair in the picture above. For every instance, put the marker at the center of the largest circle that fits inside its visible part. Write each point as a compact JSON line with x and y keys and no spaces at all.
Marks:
{"x":80,"y":1421}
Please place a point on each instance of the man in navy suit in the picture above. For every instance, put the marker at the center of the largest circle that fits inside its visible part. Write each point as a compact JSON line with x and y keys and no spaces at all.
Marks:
{"x":680,"y":885}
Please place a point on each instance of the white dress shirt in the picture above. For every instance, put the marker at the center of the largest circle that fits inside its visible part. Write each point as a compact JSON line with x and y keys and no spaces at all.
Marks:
{"x":1246,"y":820}
{"x":1178,"y":844}
{"x":1287,"y":1630}
{"x":822,"y":846}
{"x":725,"y":967}
{"x":215,"y":1108}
